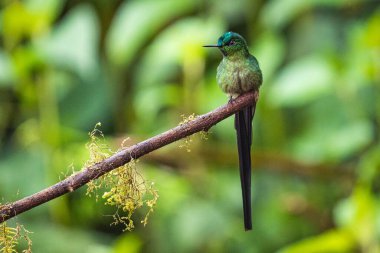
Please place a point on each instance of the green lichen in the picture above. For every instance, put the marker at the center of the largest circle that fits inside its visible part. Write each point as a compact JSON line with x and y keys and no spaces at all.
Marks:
{"x":187,"y":141}
{"x":124,"y":187}
{"x":11,"y":236}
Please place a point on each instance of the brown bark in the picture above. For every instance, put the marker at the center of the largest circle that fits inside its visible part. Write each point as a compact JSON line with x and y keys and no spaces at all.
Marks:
{"x":73,"y":182}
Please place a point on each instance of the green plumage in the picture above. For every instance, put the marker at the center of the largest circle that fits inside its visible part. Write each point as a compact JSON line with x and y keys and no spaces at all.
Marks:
{"x":238,"y":73}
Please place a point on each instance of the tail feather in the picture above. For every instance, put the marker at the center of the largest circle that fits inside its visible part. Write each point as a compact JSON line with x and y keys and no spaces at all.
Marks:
{"x":243,"y":125}
{"x":248,"y":117}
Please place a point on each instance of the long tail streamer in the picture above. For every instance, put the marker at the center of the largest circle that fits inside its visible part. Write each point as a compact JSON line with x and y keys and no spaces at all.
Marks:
{"x":243,"y":125}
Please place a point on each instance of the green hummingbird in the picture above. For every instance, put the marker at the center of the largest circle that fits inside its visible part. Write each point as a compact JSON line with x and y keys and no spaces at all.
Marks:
{"x":239,"y":72}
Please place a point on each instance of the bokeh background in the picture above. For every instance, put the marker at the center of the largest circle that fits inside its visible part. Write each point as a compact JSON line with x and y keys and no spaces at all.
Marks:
{"x":137,"y":66}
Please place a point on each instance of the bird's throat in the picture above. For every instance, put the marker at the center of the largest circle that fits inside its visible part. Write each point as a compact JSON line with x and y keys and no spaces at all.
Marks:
{"x":236,"y":56}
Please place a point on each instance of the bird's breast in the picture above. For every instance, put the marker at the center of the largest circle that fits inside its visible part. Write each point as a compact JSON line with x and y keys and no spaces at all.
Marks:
{"x":235,"y":77}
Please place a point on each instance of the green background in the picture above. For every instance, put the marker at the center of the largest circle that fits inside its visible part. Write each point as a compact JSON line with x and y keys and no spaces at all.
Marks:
{"x":137,"y":66}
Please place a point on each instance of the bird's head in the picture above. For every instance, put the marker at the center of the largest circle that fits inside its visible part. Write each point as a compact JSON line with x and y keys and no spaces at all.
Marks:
{"x":231,"y":43}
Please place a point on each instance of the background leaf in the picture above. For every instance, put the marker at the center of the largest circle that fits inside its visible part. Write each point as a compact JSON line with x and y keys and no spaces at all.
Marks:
{"x":138,"y":66}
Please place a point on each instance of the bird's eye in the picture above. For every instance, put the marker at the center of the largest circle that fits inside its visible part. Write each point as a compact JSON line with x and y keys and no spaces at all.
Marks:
{"x":232,"y":42}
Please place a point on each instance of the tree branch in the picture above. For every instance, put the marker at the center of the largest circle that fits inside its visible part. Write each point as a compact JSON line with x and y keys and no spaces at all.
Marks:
{"x":201,"y":123}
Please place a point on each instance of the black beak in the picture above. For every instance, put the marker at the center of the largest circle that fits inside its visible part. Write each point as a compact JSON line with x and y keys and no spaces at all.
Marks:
{"x":211,"y":46}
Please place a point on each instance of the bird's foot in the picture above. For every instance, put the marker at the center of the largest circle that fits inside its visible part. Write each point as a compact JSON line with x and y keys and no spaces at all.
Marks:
{"x":232,"y":97}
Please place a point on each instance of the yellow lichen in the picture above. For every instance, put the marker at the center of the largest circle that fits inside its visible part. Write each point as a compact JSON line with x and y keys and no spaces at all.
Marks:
{"x":124,"y":187}
{"x":187,"y":141}
{"x":11,"y":236}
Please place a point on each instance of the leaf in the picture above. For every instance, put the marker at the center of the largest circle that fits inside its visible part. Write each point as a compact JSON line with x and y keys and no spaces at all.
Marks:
{"x":269,"y":50}
{"x":130,"y":243}
{"x":301,"y":82}
{"x":323,"y":142}
{"x":73,"y":44}
{"x":27,"y":163}
{"x":49,"y":8}
{"x":19,"y":21}
{"x":137,"y":21}
{"x":333,"y":241}
{"x":358,"y":214}
{"x":6,"y":71}
{"x":279,"y":13}
{"x":181,"y":42}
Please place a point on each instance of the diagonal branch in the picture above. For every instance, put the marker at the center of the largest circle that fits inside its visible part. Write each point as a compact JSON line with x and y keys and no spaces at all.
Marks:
{"x":71,"y":183}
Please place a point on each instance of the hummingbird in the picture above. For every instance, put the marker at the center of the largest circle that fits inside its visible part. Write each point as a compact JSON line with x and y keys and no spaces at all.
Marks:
{"x":239,"y":72}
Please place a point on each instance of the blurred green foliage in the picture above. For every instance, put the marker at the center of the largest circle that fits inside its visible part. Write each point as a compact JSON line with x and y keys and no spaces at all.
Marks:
{"x":137,"y":66}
